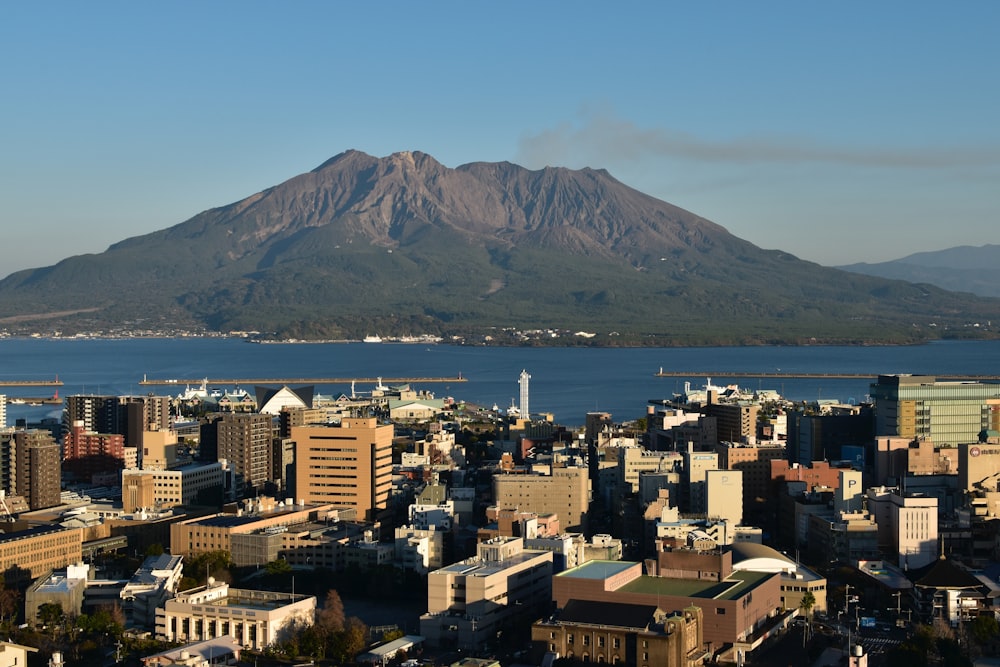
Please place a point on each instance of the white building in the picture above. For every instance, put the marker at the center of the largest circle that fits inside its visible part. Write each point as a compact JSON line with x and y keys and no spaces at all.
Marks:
{"x":154,"y":583}
{"x":256,"y":619}
{"x":469,"y":601}
{"x":420,"y":550}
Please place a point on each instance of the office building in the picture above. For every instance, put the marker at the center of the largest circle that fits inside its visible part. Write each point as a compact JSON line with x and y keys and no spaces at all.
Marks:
{"x":564,"y":492}
{"x":469,"y":601}
{"x":349,"y":465}
{"x":947,"y":413}
{"x":724,"y":495}
{"x":40,"y":549}
{"x":207,"y":483}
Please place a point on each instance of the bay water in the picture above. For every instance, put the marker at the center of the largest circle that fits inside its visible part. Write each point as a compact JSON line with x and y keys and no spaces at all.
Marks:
{"x":568,"y":382}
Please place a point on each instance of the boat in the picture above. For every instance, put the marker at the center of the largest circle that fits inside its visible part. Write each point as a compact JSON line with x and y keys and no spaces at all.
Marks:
{"x":373,"y":339}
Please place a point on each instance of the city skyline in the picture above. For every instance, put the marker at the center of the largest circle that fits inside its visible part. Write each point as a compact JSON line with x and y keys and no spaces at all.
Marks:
{"x":839,"y":134}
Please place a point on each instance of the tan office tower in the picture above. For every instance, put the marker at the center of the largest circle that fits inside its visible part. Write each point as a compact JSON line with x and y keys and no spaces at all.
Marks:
{"x":348,"y":465}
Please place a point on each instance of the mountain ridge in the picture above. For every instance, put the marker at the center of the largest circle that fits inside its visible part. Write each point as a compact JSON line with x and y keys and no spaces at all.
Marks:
{"x":959,"y":269}
{"x":403,"y":244}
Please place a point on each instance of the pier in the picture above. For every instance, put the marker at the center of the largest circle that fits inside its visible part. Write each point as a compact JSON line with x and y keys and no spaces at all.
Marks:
{"x":252,"y":381}
{"x":807,"y":376}
{"x":31,"y":383}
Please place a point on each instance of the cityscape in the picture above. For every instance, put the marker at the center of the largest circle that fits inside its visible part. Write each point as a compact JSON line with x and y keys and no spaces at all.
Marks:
{"x":726,"y":526}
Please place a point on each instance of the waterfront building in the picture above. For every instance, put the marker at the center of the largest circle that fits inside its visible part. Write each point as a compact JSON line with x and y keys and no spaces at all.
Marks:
{"x":947,"y":413}
{"x":256,"y":619}
{"x":349,"y":464}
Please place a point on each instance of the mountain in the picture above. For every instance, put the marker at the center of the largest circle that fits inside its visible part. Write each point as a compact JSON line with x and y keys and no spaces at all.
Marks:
{"x":403,"y":245}
{"x":974,"y":269}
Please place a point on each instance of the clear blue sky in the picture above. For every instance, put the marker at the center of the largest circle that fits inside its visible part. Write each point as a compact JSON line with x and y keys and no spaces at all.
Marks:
{"x":839,"y":132}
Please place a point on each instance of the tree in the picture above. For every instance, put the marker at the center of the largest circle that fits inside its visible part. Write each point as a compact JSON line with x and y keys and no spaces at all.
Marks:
{"x":276,"y":567}
{"x":984,"y":628}
{"x":331,"y":616}
{"x":807,"y":604}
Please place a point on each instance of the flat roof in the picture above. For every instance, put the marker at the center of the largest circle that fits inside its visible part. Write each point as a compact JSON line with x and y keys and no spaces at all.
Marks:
{"x":598,"y":569}
{"x":732,"y":588}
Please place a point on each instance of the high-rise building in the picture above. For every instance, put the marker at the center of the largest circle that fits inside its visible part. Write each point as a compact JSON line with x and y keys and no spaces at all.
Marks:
{"x":129,"y":416}
{"x":947,"y":413}
{"x":244,"y":440}
{"x":348,"y":465}
{"x":37,"y":468}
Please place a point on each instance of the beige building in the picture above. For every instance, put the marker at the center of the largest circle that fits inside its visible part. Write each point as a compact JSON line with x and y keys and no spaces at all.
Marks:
{"x":14,"y":655}
{"x":754,"y":461}
{"x":599,"y":632}
{"x":256,"y":619}
{"x":979,"y":466}
{"x":161,"y":489}
{"x":40,"y":549}
{"x":469,"y":601}
{"x":159,"y":449}
{"x":565,"y":492}
{"x":796,"y":579}
{"x":724,"y":495}
{"x":215,"y":533}
{"x":349,"y":465}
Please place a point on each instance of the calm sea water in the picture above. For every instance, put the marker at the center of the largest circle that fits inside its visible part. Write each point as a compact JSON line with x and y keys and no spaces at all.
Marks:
{"x":568,"y":382}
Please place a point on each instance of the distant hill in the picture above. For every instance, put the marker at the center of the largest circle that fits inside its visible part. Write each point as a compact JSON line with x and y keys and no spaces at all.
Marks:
{"x":403,"y":245}
{"x":974,"y":269}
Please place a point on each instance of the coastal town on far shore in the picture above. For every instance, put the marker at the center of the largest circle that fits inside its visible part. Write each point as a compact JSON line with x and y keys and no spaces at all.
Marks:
{"x":281,"y":526}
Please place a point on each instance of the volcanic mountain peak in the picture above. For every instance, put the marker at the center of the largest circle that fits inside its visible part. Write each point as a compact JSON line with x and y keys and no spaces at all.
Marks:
{"x":403,"y":243}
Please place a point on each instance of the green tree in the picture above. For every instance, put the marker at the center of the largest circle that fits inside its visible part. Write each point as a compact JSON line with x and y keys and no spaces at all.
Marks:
{"x":807,"y":603}
{"x":984,"y":628}
{"x":276,"y":567}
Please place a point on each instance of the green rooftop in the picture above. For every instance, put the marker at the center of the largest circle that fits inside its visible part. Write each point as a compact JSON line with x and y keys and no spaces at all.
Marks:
{"x":736,"y":585}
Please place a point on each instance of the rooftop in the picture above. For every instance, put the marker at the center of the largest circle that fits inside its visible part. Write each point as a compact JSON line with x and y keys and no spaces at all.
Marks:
{"x":732,"y":588}
{"x":598,"y":569}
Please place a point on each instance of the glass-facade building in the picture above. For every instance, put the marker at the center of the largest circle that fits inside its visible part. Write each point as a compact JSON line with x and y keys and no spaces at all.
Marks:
{"x":945,"y":412}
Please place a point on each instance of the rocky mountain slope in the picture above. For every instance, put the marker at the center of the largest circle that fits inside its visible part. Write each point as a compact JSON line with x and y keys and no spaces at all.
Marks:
{"x":403,"y":245}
